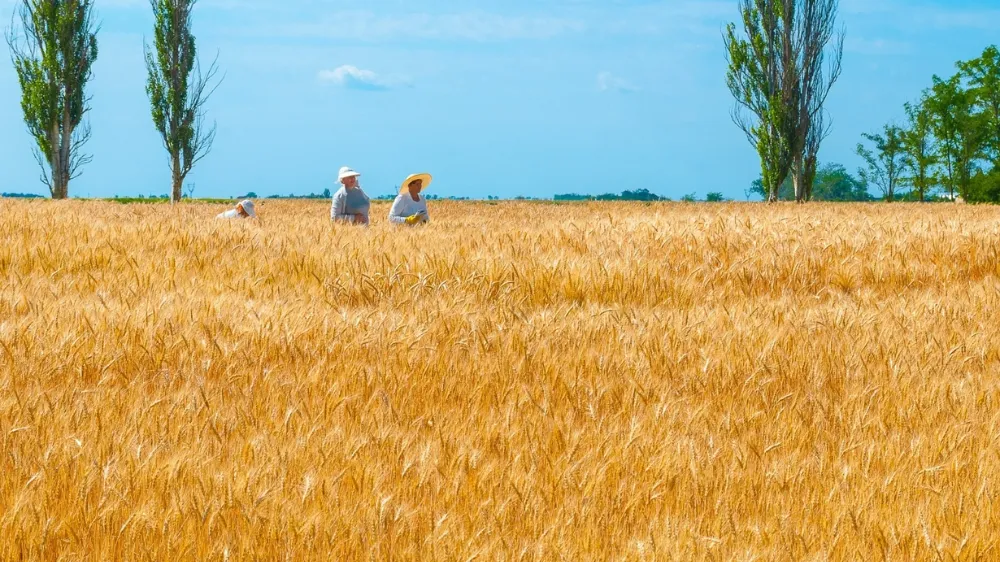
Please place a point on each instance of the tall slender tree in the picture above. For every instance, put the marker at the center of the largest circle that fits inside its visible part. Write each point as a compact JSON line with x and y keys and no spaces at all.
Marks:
{"x":886,"y":162}
{"x":760,"y":84}
{"x":983,"y":76}
{"x":781,"y":70}
{"x":959,"y":130}
{"x":53,"y":45}
{"x":178,"y":90}
{"x":814,"y":60}
{"x":919,"y":149}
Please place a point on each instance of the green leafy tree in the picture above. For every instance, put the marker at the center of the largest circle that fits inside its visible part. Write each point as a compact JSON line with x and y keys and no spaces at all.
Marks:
{"x":835,"y":183}
{"x":959,"y":130}
{"x":762,"y":88}
{"x":919,"y":150}
{"x":885,"y":163}
{"x":54,"y":46}
{"x":715,"y":197}
{"x":832,"y":183}
{"x":983,"y":77}
{"x":178,"y":90}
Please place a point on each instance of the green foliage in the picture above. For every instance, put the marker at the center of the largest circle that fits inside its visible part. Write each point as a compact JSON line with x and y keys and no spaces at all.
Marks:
{"x":690,"y":198}
{"x":715,"y":197}
{"x":835,"y":183}
{"x":756,"y":81}
{"x":53,"y":60}
{"x":983,"y":78}
{"x":832,"y":183}
{"x":627,"y":195}
{"x":959,"y":130}
{"x":919,"y":150}
{"x":22,"y":195}
{"x":177,"y":89}
{"x":952,"y":138}
{"x":985,"y":187}
{"x":885,"y":163}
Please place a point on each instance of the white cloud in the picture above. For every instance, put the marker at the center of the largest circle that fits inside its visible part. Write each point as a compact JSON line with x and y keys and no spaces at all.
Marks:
{"x":352,"y":77}
{"x":607,"y":82}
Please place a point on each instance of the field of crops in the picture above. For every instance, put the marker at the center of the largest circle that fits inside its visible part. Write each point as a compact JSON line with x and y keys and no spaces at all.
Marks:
{"x":516,"y":381}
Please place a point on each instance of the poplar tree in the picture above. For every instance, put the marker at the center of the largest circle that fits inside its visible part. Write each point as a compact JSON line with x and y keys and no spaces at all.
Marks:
{"x":178,"y":90}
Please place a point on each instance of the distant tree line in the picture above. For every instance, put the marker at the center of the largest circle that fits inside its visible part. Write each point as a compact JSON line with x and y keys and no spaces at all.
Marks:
{"x":950,"y":142}
{"x":324,"y":195}
{"x":22,"y":195}
{"x":637,"y":195}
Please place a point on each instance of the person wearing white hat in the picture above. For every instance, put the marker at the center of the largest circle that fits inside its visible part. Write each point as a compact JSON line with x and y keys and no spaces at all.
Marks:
{"x":244,"y":210}
{"x":350,"y":203}
{"x":410,"y":207}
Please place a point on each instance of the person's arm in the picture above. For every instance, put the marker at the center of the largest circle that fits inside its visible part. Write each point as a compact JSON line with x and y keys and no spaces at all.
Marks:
{"x":338,"y":211}
{"x":397,"y":213}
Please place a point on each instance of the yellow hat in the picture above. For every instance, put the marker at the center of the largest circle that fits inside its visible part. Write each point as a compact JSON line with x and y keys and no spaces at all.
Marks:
{"x":426,"y":177}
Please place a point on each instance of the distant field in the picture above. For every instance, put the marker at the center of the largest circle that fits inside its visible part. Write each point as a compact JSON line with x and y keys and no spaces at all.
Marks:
{"x":600,"y":381}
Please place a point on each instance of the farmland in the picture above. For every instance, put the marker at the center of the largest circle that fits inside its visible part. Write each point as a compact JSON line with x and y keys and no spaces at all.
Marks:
{"x":516,"y":381}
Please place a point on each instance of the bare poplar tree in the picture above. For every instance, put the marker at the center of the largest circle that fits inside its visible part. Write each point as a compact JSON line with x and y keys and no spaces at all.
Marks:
{"x":178,"y":90}
{"x":53,"y":45}
{"x":817,"y":68}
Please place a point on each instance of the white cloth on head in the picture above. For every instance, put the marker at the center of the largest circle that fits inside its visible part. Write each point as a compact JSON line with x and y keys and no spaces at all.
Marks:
{"x":404,"y":206}
{"x":248,"y":208}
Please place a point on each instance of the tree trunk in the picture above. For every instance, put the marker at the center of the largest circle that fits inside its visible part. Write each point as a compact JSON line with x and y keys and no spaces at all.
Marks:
{"x":798,"y":178}
{"x":64,"y":148}
{"x":178,"y":180}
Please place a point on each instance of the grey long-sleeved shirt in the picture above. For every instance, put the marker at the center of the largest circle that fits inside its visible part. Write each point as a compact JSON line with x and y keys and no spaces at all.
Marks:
{"x":348,"y":202}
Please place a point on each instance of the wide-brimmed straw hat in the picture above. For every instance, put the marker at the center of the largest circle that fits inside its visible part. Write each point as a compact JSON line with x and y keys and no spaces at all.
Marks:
{"x":248,"y":208}
{"x":347,"y":172}
{"x":412,"y":177}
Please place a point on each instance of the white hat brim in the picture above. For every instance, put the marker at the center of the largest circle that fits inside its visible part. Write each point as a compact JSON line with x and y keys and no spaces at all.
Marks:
{"x":406,"y":183}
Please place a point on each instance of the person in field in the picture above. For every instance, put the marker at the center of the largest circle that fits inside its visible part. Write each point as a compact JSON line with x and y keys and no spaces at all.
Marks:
{"x":410,"y":207}
{"x":244,"y":210}
{"x":350,"y":203}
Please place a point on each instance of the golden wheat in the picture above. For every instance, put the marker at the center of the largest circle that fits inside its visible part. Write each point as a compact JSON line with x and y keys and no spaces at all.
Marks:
{"x":516,"y":381}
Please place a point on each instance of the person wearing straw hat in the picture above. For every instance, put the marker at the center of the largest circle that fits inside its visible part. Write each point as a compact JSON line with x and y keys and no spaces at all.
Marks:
{"x":244,"y":210}
{"x":350,"y":203}
{"x":410,"y":207}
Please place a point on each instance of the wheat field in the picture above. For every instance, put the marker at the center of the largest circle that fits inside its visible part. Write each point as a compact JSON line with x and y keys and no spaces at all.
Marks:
{"x":516,"y":381}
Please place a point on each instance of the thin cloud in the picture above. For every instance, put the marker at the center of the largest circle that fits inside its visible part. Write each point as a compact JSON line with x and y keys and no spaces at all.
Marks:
{"x":607,"y":82}
{"x":354,"y":78}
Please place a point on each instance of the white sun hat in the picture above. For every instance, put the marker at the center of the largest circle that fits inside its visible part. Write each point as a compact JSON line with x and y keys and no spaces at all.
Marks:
{"x":248,"y":208}
{"x":426,"y":178}
{"x":347,"y":172}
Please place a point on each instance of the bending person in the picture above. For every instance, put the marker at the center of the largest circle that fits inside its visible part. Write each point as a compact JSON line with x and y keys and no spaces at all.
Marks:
{"x":410,"y":207}
{"x":244,"y":210}
{"x":350,"y":203}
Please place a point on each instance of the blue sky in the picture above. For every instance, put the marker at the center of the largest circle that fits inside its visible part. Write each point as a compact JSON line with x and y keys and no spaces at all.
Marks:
{"x":506,"y":98}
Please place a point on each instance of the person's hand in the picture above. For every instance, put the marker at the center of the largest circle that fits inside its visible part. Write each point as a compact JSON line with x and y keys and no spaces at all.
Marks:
{"x":412,"y":219}
{"x":359,"y":218}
